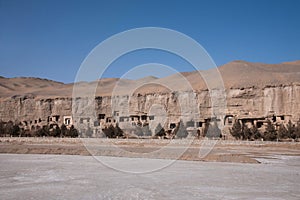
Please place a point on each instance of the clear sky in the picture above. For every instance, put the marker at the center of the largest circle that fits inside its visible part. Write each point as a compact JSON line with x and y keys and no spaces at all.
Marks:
{"x":50,"y":39}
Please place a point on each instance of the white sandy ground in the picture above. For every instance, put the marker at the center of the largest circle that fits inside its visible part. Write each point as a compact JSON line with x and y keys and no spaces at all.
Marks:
{"x":83,"y":177}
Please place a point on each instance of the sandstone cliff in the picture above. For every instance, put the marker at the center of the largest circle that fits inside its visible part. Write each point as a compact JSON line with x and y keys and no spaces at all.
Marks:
{"x":253,"y":91}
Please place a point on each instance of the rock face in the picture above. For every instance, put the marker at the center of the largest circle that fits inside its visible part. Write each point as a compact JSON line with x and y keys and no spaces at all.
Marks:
{"x":254,"y":92}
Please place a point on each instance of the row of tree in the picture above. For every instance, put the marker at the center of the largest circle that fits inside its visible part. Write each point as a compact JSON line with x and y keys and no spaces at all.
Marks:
{"x":116,"y":132}
{"x":11,"y":129}
{"x":271,"y":133}
{"x":211,"y":130}
{"x":113,"y":131}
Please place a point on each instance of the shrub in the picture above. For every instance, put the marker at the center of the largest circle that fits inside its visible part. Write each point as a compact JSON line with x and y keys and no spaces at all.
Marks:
{"x":246,"y":133}
{"x":181,"y":132}
{"x":113,"y":132}
{"x":55,"y":132}
{"x":63,"y":130}
{"x":270,"y":132}
{"x":2,"y":128}
{"x":118,"y":131}
{"x":240,"y":131}
{"x":236,"y":130}
{"x":213,"y":131}
{"x":282,"y":132}
{"x":291,"y":130}
{"x":160,"y":131}
{"x":44,"y":131}
{"x":255,"y":133}
{"x":16,"y":131}
{"x":73,"y":132}
{"x":297,"y":130}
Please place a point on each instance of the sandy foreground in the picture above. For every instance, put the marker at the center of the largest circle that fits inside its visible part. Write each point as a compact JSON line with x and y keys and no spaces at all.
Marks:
{"x":36,"y":176}
{"x":129,"y":169}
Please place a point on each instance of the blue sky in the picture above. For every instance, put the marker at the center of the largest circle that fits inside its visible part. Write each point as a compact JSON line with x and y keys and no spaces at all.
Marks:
{"x":50,"y":39}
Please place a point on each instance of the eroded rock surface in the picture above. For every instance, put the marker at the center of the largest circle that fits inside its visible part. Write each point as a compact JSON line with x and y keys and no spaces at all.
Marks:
{"x":253,"y":91}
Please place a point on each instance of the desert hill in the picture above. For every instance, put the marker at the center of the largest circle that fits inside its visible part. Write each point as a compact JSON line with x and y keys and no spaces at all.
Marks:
{"x":236,"y":74}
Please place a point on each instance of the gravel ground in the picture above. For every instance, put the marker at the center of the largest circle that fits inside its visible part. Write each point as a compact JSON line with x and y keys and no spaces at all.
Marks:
{"x":84,"y":177}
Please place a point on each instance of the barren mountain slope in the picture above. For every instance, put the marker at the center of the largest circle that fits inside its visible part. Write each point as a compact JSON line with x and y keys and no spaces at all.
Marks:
{"x":236,"y":74}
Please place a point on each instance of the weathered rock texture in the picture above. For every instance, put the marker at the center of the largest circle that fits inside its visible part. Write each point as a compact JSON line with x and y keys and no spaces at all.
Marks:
{"x":253,"y":91}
